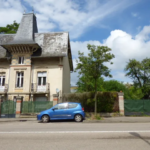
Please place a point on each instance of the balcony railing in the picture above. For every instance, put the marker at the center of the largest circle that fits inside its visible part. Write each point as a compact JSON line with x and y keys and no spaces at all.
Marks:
{"x":35,"y":88}
{"x":4,"y":88}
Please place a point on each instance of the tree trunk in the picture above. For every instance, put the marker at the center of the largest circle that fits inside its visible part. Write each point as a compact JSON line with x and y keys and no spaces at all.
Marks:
{"x":95,"y":97}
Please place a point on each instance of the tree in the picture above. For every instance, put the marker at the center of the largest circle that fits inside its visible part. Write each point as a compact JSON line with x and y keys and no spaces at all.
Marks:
{"x":93,"y":67}
{"x":130,"y":92}
{"x":10,"y":28}
{"x":86,"y":85}
{"x":139,"y":72}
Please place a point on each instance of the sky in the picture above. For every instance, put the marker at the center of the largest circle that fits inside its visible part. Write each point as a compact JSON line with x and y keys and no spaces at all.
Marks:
{"x":122,"y":25}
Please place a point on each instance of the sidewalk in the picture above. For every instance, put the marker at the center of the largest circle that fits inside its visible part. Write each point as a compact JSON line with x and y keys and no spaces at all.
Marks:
{"x":104,"y":120}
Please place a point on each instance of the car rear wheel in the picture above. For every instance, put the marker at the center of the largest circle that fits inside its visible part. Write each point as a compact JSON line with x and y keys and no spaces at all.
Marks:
{"x":78,"y":118}
{"x":45,"y":118}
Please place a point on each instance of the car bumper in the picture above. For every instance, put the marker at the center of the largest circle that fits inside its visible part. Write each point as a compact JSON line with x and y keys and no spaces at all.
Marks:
{"x":38,"y":117}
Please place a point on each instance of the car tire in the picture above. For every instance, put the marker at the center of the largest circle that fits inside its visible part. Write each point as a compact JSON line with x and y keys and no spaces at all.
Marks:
{"x":45,"y":118}
{"x":78,"y":118}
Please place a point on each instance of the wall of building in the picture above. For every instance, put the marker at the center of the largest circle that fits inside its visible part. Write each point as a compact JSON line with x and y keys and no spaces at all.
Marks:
{"x":58,"y":76}
{"x":26,"y":69}
{"x":54,"y":73}
{"x":4,"y":68}
{"x":66,"y":75}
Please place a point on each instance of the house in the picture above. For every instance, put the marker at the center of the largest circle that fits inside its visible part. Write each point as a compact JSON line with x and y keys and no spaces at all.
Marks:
{"x":35,"y":66}
{"x":73,"y":89}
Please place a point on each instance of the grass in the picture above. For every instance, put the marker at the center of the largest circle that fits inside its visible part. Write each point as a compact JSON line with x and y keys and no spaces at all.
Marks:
{"x":94,"y":117}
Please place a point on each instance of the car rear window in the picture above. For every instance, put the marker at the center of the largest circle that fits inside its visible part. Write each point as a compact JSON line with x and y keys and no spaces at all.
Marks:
{"x":72,"y":105}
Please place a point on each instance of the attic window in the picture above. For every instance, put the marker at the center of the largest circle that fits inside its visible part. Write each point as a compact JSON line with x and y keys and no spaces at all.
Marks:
{"x":21,"y":60}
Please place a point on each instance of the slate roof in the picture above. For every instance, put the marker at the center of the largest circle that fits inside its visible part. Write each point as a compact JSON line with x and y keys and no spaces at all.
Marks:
{"x":55,"y":44}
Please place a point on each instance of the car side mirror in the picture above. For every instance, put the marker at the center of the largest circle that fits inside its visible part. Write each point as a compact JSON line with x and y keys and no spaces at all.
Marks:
{"x":54,"y":109}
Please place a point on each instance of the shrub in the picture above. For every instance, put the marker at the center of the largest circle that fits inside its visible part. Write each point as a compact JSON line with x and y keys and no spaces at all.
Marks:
{"x":106,"y":101}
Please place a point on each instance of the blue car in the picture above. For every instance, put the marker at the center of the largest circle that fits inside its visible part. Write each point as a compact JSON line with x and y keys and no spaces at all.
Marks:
{"x":63,"y":111}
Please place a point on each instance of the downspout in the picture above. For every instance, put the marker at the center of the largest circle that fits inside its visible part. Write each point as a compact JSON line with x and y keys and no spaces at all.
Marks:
{"x":9,"y":76}
{"x":32,"y":69}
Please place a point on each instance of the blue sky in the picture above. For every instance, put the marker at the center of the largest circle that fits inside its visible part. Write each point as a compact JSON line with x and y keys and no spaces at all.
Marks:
{"x":122,"y":25}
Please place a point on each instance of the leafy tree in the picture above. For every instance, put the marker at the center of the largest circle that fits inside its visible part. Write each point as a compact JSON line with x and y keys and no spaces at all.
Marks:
{"x":10,"y":28}
{"x":114,"y":85}
{"x":92,"y":67}
{"x":130,"y":92}
{"x":86,"y":86}
{"x":139,"y":72}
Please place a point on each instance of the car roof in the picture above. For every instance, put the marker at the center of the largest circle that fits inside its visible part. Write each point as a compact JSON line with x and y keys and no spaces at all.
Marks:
{"x":70,"y":103}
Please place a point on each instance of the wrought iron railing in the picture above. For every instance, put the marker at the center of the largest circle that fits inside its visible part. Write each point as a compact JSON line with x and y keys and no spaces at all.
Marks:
{"x":40,"y":88}
{"x":4,"y":89}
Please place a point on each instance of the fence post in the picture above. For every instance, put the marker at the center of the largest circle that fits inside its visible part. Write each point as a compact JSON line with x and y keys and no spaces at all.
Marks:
{"x":18,"y":106}
{"x":55,"y":99}
{"x":121,"y":102}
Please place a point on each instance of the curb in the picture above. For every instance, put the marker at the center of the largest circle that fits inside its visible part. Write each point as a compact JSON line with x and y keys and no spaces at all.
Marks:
{"x":85,"y":121}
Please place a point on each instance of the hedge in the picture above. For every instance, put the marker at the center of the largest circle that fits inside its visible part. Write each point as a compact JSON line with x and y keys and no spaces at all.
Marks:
{"x":106,"y":101}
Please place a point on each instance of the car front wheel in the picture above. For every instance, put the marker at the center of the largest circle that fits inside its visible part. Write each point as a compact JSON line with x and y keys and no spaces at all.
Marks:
{"x":45,"y":118}
{"x":78,"y":118}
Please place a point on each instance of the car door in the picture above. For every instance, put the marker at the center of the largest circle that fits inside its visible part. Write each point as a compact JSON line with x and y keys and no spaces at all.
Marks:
{"x":59,"y":111}
{"x":71,"y":110}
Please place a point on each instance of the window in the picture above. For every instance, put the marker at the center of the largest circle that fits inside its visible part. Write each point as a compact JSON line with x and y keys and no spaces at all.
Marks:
{"x":2,"y":80}
{"x":61,"y":106}
{"x":21,"y":60}
{"x":20,"y":76}
{"x":72,"y":105}
{"x":42,"y":78}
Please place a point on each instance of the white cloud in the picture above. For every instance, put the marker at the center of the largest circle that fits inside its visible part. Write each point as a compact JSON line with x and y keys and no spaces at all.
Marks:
{"x":10,"y":10}
{"x":124,"y":46}
{"x":75,"y":16}
{"x":64,"y":15}
{"x":134,"y":14}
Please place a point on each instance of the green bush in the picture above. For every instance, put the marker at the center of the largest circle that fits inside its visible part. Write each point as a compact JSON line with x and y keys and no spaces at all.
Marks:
{"x":106,"y":101}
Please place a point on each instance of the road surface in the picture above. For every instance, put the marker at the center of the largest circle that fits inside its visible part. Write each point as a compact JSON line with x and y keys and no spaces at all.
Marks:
{"x":74,"y":136}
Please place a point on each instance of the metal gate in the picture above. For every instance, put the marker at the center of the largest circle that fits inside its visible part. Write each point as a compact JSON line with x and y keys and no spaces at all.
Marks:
{"x":137,"y":107}
{"x":8,"y":109}
{"x":35,"y":106}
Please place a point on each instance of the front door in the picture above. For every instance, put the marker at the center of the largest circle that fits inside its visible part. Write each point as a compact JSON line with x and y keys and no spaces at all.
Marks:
{"x":41,"y":82}
{"x":2,"y":83}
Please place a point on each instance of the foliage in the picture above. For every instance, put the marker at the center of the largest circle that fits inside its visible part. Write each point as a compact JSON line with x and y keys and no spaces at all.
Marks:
{"x":92,"y":68}
{"x":130,"y":92}
{"x":10,"y":28}
{"x":139,"y":72}
{"x":84,"y":86}
{"x":107,"y":101}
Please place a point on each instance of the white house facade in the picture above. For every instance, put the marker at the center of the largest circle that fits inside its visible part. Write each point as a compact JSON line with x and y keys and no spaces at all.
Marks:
{"x":35,"y":66}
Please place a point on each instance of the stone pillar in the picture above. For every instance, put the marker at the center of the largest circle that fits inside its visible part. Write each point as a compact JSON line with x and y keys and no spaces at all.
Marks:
{"x":18,"y":106}
{"x":55,"y":99}
{"x":121,"y":103}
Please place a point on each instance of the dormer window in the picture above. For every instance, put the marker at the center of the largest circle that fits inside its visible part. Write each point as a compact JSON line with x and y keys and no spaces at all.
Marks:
{"x":21,"y":60}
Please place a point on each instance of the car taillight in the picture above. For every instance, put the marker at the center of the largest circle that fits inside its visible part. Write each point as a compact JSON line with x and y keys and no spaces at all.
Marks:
{"x":83,"y":109}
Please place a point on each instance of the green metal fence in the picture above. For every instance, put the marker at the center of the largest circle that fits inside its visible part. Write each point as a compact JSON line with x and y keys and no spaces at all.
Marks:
{"x":35,"y":107}
{"x":8,"y":109}
{"x":137,"y":107}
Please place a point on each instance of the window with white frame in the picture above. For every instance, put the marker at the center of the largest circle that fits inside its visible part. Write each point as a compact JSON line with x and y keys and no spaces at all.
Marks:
{"x":19,"y":80}
{"x":21,"y":60}
{"x":2,"y":79}
{"x":42,"y":78}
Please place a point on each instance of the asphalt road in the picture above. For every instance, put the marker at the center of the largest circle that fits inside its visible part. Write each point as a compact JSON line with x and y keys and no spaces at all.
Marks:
{"x":71,"y":136}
